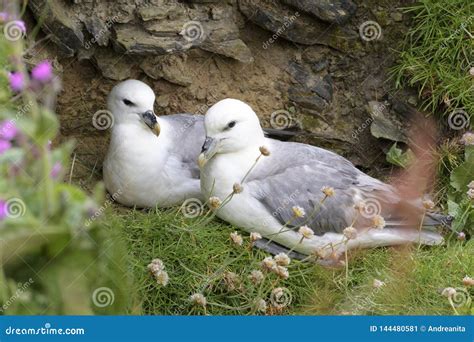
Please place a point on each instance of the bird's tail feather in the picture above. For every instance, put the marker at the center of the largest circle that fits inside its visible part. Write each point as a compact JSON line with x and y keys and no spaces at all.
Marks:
{"x":437,"y":219}
{"x":275,"y":248}
{"x":431,"y":222}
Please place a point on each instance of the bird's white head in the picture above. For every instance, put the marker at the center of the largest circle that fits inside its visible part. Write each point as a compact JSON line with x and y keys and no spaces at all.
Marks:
{"x":231,"y":126}
{"x":132,"y":101}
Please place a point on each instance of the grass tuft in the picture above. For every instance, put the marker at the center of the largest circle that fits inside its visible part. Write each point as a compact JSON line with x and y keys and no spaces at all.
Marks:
{"x":198,"y":257}
{"x":439,"y":53}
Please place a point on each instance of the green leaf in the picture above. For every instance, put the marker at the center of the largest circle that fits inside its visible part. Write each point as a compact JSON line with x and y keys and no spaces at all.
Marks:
{"x":453,"y":208}
{"x":464,"y":173}
{"x":397,"y":157}
{"x":469,"y":153}
{"x":48,"y":126}
{"x":12,"y":156}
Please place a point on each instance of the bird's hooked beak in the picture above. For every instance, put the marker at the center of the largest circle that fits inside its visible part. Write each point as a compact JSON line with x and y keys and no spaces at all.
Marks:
{"x":209,"y":149}
{"x":149,"y":118}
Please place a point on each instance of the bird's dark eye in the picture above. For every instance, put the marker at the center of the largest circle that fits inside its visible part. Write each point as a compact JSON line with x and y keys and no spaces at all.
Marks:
{"x":128,"y":102}
{"x":231,"y":124}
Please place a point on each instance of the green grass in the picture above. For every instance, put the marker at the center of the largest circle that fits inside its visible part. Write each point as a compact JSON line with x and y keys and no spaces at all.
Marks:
{"x":439,"y":53}
{"x":197,"y":255}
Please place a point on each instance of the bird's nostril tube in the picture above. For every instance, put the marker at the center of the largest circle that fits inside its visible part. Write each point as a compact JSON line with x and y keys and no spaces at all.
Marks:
{"x":150,"y":115}
{"x":206,"y":144}
{"x":149,"y":118}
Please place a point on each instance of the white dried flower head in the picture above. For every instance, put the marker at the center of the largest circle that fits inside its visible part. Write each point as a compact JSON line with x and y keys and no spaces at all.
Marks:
{"x":157,"y":269}
{"x":471,"y":71}
{"x":214,"y":202}
{"x":449,"y":292}
{"x":320,"y":253}
{"x":470,"y":194}
{"x":237,"y":188}
{"x":471,"y":185}
{"x":307,"y":232}
{"x":269,"y":263}
{"x":261,"y":305}
{"x":278,"y":292}
{"x":156,"y":265}
{"x":447,"y":100}
{"x":198,"y":298}
{"x":350,"y":233}
{"x":154,"y":269}
{"x":378,"y":222}
{"x":162,"y":278}
{"x":328,"y":191}
{"x":298,"y":211}
{"x":282,"y":272}
{"x":256,"y":277}
{"x":467,"y":139}
{"x":279,"y":297}
{"x":378,"y":283}
{"x":254,"y":236}
{"x":428,"y":204}
{"x":461,"y":236}
{"x":231,"y":280}
{"x":236,"y":238}
{"x":468,"y":281}
{"x":282,"y":259}
{"x":264,"y":151}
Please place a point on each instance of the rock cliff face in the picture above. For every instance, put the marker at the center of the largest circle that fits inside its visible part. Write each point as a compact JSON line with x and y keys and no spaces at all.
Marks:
{"x":319,"y":67}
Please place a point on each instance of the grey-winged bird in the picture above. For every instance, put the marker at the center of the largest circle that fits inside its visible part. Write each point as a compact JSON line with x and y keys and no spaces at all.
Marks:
{"x":280,"y":187}
{"x":151,"y":161}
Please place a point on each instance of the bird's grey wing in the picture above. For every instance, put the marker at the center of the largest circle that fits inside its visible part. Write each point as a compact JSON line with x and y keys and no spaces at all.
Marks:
{"x":294,"y":175}
{"x":187,"y":137}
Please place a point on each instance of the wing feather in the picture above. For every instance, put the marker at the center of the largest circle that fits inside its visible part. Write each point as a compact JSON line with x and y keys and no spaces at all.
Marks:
{"x":294,"y":174}
{"x":187,"y":137}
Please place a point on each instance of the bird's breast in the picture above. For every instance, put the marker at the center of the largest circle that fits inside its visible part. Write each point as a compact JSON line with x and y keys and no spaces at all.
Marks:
{"x":132,"y":166}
